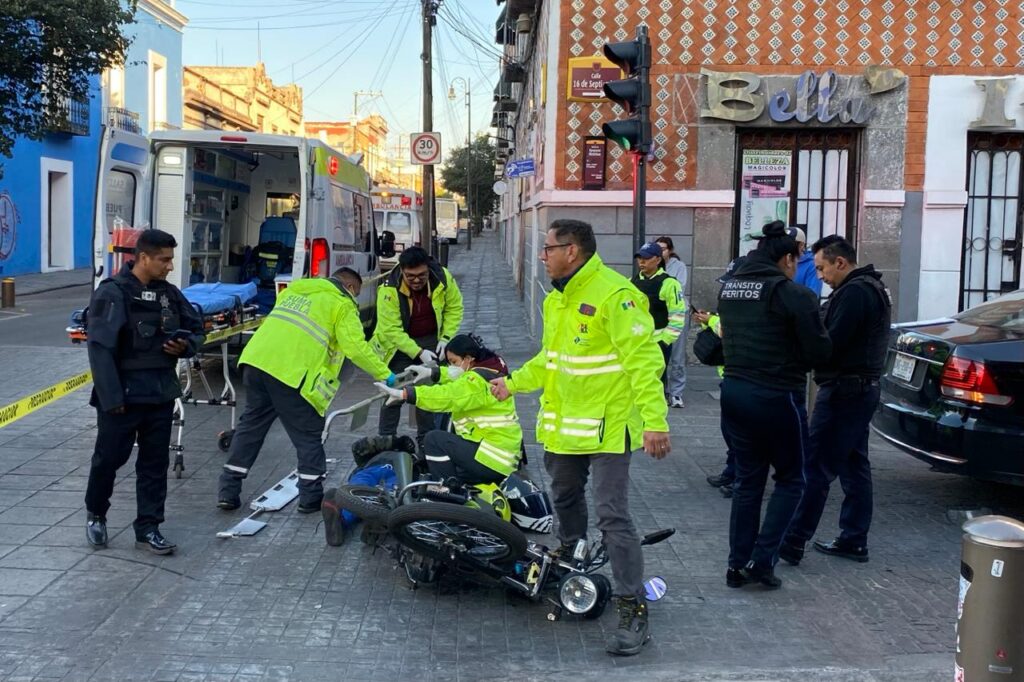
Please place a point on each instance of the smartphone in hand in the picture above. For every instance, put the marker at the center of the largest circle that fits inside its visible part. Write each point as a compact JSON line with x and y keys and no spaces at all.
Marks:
{"x":180,"y":335}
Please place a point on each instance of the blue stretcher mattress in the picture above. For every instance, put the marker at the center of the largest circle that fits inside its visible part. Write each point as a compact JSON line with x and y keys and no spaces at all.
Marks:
{"x":219,"y":297}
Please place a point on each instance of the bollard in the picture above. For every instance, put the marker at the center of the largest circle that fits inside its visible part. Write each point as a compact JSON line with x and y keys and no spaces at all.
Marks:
{"x":990,"y":620}
{"x":443,"y":252}
{"x":7,"y":293}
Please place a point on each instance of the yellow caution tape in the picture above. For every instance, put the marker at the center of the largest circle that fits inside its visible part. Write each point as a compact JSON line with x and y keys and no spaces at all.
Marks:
{"x":222,"y":334}
{"x":15,"y":411}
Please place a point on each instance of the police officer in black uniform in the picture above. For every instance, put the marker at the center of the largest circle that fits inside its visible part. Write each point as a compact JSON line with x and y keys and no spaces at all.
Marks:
{"x":771,"y":335}
{"x":857,"y":316}
{"x":139,"y":325}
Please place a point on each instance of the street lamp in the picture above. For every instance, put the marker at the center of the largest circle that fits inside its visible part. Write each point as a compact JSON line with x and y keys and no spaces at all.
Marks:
{"x":469,"y":153}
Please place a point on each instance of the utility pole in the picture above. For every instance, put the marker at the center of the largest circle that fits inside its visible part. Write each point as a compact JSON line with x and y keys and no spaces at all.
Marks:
{"x":429,"y":217}
{"x":469,"y":155}
{"x":354,"y":127}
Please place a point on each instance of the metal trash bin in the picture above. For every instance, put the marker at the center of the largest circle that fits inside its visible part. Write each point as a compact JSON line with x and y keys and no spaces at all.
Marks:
{"x":990,"y":608}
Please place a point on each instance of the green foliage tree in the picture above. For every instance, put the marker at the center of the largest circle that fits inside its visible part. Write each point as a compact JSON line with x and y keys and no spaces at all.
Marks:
{"x":480,"y":167}
{"x":49,"y":49}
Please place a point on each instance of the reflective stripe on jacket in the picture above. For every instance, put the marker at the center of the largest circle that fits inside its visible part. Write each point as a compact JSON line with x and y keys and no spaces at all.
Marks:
{"x":715,"y":325}
{"x":477,"y":416}
{"x":393,"y":297}
{"x":305,"y":339}
{"x":599,"y":366}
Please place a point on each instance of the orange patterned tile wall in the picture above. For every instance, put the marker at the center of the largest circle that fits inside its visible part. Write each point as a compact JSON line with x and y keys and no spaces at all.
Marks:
{"x":921,"y":37}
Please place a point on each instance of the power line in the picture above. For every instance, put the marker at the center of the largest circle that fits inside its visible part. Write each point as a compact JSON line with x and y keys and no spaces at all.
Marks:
{"x":383,"y":72}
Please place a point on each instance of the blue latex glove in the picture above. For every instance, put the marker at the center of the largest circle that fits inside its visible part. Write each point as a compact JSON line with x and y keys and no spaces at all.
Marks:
{"x":391,"y":380}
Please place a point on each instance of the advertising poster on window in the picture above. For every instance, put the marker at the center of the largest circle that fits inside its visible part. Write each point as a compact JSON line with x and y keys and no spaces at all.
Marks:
{"x":765,"y":179}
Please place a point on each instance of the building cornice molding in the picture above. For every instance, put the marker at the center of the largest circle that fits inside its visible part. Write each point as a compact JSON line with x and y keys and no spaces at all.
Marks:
{"x":714,"y":198}
{"x":165,"y":13}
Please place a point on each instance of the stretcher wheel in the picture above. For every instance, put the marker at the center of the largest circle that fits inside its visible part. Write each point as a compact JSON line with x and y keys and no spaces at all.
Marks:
{"x":179,"y":466}
{"x":224,"y":440}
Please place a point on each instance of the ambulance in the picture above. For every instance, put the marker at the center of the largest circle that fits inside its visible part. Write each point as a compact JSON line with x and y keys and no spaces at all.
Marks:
{"x":399,"y":212}
{"x":239,"y":204}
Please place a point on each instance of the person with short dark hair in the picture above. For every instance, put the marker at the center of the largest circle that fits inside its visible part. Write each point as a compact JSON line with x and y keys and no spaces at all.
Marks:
{"x":857,"y":315}
{"x":292,"y":366}
{"x":676,"y":370}
{"x":419,"y":309}
{"x":598,"y":369}
{"x":139,"y":325}
{"x":486,"y":445}
{"x":771,"y":336}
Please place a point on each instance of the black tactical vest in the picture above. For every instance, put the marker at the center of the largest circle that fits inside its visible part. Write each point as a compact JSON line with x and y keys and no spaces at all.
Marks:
{"x":866,"y":359}
{"x":651,"y":288}
{"x":152,"y":317}
{"x":752,"y":333}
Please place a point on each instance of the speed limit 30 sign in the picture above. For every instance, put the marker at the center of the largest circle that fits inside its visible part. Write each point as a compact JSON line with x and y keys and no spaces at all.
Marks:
{"x":425,"y":149}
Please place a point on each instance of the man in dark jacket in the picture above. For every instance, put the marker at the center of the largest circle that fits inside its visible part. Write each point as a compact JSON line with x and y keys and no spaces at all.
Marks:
{"x":139,"y":326}
{"x":857,"y":316}
{"x":771,"y":336}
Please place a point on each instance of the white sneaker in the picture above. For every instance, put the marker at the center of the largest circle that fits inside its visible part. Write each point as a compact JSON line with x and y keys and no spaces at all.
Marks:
{"x":676,"y":401}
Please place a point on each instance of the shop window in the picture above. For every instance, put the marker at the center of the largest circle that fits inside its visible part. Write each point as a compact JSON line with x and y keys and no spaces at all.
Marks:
{"x":804,"y":178}
{"x":992,"y":226}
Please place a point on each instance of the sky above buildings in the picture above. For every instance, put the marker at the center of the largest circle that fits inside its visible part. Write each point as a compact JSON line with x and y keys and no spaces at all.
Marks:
{"x":333,"y":48}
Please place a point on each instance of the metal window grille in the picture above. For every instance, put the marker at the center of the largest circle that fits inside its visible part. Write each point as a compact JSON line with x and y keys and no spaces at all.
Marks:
{"x":823,"y":182}
{"x":991,"y":253}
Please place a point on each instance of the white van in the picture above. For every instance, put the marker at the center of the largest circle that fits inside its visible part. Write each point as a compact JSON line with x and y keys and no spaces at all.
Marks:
{"x":400,"y":212}
{"x":447,"y":211}
{"x":220,"y":192}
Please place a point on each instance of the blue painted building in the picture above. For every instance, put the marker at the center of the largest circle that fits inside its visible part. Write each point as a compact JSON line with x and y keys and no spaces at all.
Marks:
{"x":48,"y":191}
{"x":47,"y":195}
{"x":148,"y":87}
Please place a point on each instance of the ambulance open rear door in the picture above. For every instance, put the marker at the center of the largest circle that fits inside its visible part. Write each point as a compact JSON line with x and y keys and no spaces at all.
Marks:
{"x":123,"y":191}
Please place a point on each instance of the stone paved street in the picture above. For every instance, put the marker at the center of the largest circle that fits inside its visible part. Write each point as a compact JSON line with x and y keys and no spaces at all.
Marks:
{"x":282,"y":605}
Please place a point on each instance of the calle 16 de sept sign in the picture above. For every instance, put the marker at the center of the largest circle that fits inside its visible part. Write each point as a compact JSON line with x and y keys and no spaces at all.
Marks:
{"x":587,"y":76}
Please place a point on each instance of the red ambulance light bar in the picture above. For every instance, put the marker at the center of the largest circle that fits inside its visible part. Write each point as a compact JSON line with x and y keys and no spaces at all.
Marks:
{"x":406,"y":201}
{"x":233,"y":138}
{"x":419,"y":201}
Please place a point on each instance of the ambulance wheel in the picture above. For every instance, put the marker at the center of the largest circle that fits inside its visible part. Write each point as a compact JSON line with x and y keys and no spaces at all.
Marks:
{"x":224,"y":440}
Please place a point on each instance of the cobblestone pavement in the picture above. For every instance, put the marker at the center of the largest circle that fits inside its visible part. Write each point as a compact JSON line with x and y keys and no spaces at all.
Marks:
{"x":282,"y":605}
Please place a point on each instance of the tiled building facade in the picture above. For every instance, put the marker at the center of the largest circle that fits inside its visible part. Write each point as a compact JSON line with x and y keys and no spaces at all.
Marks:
{"x":894,"y":179}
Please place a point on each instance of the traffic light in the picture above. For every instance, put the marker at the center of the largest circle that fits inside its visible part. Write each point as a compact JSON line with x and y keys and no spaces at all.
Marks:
{"x":633,"y":94}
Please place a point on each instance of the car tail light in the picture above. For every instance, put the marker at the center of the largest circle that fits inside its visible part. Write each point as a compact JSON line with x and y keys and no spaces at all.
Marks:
{"x":320,"y":256}
{"x":970,"y":381}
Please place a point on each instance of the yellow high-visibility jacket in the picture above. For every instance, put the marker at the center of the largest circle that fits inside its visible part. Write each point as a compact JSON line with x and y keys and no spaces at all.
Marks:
{"x":477,"y":416}
{"x":599,"y":366}
{"x":393,"y":306}
{"x":305,"y":339}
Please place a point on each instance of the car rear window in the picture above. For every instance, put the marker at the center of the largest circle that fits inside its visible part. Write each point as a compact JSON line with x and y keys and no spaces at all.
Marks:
{"x":1005,"y":312}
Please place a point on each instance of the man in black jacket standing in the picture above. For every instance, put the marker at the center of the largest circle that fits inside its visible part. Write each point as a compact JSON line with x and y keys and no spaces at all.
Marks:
{"x":139,"y":325}
{"x":857,"y":316}
{"x":771,"y":335}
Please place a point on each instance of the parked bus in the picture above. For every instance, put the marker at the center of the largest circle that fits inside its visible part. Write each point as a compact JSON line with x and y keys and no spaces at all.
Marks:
{"x":239,"y":204}
{"x":400,"y":212}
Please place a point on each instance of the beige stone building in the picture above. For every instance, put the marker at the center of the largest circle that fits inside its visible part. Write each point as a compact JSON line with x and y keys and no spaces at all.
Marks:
{"x":240,"y":98}
{"x":368,"y":136}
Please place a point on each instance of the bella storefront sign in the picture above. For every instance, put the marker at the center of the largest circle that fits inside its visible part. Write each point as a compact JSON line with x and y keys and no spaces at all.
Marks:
{"x":735,"y":97}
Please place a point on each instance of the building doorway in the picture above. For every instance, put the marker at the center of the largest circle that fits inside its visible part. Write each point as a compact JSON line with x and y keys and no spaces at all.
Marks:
{"x":56,"y":215}
{"x":991,"y":260}
{"x":805,"y":178}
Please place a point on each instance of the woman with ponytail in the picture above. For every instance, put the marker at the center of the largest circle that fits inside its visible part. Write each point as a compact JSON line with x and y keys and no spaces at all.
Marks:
{"x":772,"y":335}
{"x":487,"y":444}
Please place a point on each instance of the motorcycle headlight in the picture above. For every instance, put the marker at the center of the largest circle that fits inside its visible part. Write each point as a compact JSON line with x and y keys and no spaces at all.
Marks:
{"x":578,"y":593}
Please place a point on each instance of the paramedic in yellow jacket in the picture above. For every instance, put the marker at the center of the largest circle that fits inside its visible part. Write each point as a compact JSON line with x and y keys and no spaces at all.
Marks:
{"x":599,"y":369}
{"x":487,"y":444}
{"x":292,"y":366}
{"x":419,"y":308}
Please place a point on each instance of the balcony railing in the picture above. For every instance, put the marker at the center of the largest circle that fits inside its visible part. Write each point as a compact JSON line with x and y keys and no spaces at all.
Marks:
{"x":69,"y":116}
{"x":123,"y":119}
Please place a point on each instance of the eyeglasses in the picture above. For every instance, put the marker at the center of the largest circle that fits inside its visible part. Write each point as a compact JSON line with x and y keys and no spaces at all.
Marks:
{"x":415,"y":277}
{"x":547,"y":248}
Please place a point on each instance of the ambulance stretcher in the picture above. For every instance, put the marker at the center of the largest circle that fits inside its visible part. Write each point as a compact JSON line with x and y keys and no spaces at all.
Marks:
{"x":228,"y":315}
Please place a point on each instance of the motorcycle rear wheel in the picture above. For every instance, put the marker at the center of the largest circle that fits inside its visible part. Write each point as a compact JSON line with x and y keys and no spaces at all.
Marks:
{"x":450,"y":532}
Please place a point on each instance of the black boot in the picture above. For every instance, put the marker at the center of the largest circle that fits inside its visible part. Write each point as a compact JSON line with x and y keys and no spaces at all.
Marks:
{"x":96,"y":530}
{"x":758,"y":574}
{"x":633,"y":631}
{"x":334,"y":532}
{"x":791,"y":552}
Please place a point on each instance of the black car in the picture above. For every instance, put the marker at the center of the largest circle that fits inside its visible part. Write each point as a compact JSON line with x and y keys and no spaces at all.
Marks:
{"x":953,"y":391}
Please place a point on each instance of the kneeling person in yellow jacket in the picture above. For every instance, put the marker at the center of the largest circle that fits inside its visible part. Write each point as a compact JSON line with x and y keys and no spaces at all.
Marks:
{"x":487,"y":444}
{"x":292,"y":366}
